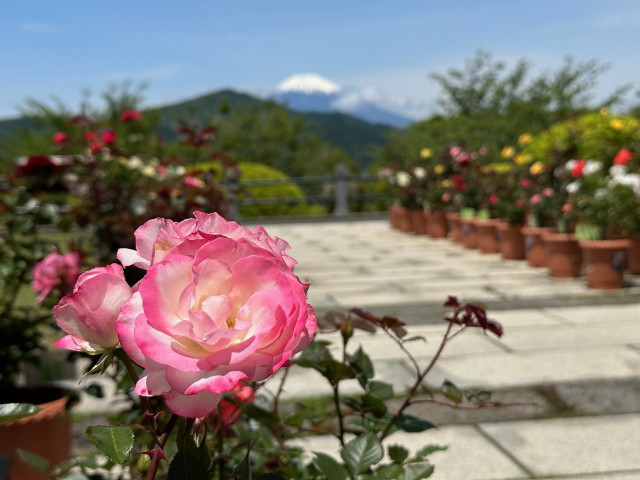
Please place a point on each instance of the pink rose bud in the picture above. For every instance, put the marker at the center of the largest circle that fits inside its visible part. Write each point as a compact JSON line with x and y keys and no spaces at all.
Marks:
{"x":89,"y":314}
{"x":55,"y":271}
{"x":219,"y":306}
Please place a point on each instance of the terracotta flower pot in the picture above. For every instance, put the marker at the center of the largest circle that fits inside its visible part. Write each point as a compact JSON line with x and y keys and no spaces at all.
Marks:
{"x":400,"y":218}
{"x":437,"y":226}
{"x":563,"y":255}
{"x":534,"y":246}
{"x":633,"y":260}
{"x":455,"y":227}
{"x":418,"y":222}
{"x":469,"y":239}
{"x":487,"y":236}
{"x":47,"y":433}
{"x":511,"y":241}
{"x":605,"y":262}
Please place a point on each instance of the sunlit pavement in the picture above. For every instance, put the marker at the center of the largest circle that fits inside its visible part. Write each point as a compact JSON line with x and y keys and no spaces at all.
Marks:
{"x":560,"y":337}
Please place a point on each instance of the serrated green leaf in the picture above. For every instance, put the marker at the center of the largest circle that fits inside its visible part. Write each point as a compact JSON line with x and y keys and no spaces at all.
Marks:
{"x":34,"y":460}
{"x":416,"y":471}
{"x":429,"y":449}
{"x":398,"y":453}
{"x":362,"y":452}
{"x":412,"y":424}
{"x":10,"y":412}
{"x":330,"y":467}
{"x":115,"y":442}
{"x":450,"y":391}
{"x":381,"y":390}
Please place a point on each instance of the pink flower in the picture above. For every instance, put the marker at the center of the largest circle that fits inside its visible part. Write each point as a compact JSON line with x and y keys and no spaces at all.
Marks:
{"x":623,"y":157}
{"x":525,"y":182}
{"x":59,"y":137}
{"x":567,"y":207}
{"x":535,"y":199}
{"x":219,"y":305}
{"x":493,"y":198}
{"x":89,"y":314}
{"x":548,"y":192}
{"x":108,"y":136}
{"x":90,"y":136}
{"x":55,"y":271}
{"x":96,"y":147}
{"x":131,"y":115}
{"x":455,"y":151}
{"x":192,"y":182}
{"x":446,"y":196}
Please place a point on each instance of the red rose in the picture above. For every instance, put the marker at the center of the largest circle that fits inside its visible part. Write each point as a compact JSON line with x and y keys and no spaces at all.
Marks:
{"x":59,"y":137}
{"x":108,"y":136}
{"x":623,"y":157}
{"x":131,"y":115}
{"x":578,"y":168}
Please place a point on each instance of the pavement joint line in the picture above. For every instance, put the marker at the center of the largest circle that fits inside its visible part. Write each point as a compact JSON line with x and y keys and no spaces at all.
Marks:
{"x":516,"y":461}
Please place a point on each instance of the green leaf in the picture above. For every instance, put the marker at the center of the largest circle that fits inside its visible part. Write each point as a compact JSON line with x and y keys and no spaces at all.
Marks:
{"x":398,"y":453}
{"x":450,"y":391}
{"x":412,"y":424}
{"x":115,"y":442}
{"x":362,"y":452}
{"x":361,"y":363}
{"x":381,"y":390}
{"x":385,"y":472}
{"x":264,"y":417}
{"x":188,"y":463}
{"x":242,"y":471}
{"x":34,"y":460}
{"x":374,"y":405}
{"x":10,"y":412}
{"x":429,"y":449}
{"x":416,"y":471}
{"x":330,"y":467}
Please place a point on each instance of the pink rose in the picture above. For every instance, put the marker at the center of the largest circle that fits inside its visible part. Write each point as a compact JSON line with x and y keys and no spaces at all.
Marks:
{"x":535,"y":199}
{"x":108,"y":136}
{"x":219,"y":306}
{"x":55,"y":271}
{"x":192,"y":182}
{"x":493,"y":198}
{"x":89,"y":314}
{"x":548,"y":192}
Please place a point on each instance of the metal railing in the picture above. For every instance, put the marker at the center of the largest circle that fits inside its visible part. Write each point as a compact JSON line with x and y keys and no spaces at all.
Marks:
{"x":338,"y":191}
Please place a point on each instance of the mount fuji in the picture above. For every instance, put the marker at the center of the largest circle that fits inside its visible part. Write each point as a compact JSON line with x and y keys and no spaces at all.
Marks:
{"x":312,"y":93}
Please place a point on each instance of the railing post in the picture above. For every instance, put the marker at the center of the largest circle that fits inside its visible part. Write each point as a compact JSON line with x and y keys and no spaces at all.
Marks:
{"x":341,"y":193}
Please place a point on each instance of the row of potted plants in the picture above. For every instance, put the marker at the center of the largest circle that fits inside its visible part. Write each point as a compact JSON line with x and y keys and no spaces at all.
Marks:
{"x":539,"y":193}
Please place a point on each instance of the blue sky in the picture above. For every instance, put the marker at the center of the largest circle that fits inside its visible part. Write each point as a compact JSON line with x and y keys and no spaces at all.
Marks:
{"x":385,"y":48}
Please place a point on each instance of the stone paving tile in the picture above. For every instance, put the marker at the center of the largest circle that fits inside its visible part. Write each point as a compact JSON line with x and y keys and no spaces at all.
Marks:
{"x":586,"y":314}
{"x":572,"y":446}
{"x":503,"y":370}
{"x":582,"y":336}
{"x":524,"y":318}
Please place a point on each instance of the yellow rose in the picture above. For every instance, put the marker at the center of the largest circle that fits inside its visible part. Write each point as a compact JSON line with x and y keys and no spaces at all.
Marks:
{"x":508,"y":152}
{"x":537,"y":168}
{"x":522,"y":159}
{"x":524,"y":139}
{"x":426,"y":153}
{"x":447,"y":183}
{"x":438,"y":169}
{"x":616,"y":124}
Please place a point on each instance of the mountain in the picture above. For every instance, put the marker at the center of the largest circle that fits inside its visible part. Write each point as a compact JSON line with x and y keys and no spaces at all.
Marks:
{"x":353,"y":135}
{"x":313,"y":93}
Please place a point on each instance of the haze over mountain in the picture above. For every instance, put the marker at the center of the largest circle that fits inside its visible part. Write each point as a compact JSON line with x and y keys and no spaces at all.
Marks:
{"x":313,"y":93}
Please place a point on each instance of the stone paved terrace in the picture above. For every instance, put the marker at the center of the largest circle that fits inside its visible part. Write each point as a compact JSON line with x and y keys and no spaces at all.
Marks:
{"x":570,"y":356}
{"x":569,"y":360}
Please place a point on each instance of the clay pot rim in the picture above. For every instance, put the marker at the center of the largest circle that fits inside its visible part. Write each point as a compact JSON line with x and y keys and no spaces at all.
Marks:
{"x":529,"y":230}
{"x":553,"y":236}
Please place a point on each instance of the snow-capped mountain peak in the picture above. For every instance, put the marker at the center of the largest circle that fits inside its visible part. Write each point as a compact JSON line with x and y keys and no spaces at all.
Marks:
{"x":308,"y":84}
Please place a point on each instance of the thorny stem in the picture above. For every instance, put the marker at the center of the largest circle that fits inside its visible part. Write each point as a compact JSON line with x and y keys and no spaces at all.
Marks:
{"x":336,"y":401}
{"x":161,"y":440}
{"x":416,"y":385}
{"x":279,"y":391}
